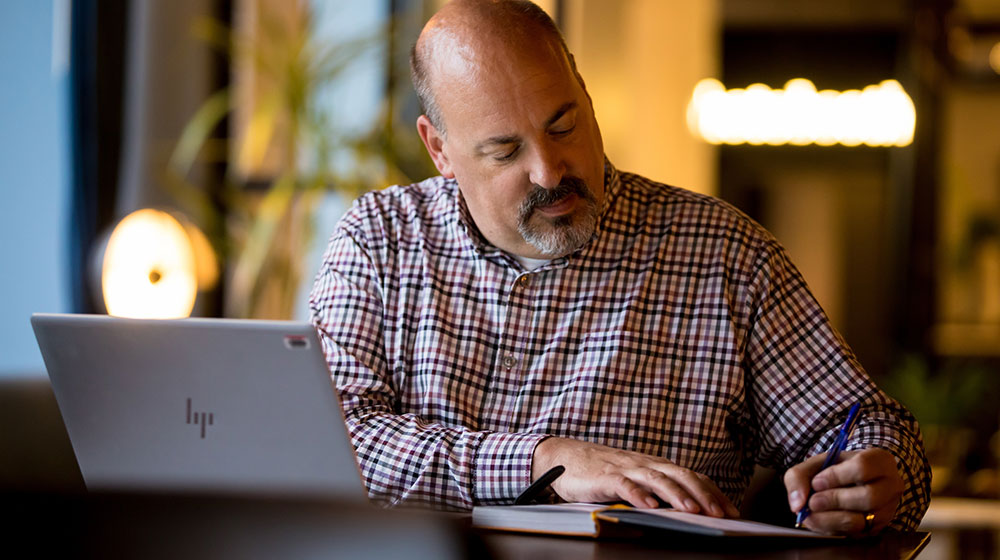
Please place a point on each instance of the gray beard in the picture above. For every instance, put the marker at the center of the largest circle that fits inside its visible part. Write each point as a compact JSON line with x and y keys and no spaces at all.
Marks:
{"x":562,"y":236}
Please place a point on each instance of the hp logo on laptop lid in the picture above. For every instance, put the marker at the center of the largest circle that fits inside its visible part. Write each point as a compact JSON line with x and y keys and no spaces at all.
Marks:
{"x":202,"y":419}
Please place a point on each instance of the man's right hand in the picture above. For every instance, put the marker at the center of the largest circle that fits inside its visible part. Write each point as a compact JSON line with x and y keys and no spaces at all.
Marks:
{"x":597,"y":473}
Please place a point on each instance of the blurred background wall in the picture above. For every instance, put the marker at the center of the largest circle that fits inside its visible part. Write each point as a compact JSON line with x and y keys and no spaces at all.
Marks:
{"x":34,"y":159}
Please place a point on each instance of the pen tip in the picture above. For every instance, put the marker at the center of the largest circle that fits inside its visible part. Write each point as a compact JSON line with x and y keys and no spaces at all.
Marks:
{"x":798,"y":525}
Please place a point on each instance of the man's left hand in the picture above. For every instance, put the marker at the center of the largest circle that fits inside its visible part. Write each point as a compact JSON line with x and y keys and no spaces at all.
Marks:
{"x":864,"y":482}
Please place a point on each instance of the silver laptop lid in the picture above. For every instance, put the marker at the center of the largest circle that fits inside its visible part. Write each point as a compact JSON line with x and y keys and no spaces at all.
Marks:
{"x":202,"y":405}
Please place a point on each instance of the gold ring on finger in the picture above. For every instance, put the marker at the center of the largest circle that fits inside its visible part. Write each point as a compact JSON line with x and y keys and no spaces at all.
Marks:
{"x":869,"y":522}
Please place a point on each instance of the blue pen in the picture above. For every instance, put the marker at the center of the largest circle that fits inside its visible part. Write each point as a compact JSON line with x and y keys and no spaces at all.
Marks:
{"x":831,"y":457}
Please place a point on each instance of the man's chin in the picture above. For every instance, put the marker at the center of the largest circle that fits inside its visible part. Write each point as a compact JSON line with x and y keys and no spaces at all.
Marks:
{"x":559,"y":236}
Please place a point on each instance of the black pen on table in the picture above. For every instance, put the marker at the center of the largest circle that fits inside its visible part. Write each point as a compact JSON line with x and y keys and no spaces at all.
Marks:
{"x":537,"y":488}
{"x":831,"y":457}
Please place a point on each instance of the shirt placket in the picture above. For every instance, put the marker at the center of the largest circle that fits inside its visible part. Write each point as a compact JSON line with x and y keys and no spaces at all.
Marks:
{"x":511,"y":357}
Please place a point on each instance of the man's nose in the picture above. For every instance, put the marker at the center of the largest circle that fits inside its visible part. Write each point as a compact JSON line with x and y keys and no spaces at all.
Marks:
{"x":547,"y":166}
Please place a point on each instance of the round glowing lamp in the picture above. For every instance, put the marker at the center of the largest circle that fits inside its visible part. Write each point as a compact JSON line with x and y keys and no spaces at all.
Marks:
{"x":150,"y":267}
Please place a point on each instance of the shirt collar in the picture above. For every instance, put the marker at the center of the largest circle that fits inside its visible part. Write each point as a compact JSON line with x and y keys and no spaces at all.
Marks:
{"x":612,"y":188}
{"x":473,"y":238}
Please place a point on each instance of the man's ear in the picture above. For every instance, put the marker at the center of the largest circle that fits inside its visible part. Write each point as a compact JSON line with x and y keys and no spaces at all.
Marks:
{"x":434,"y":142}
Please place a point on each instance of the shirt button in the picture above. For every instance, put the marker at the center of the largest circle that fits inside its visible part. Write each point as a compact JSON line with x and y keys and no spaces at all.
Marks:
{"x":524,"y":281}
{"x":509,"y":361}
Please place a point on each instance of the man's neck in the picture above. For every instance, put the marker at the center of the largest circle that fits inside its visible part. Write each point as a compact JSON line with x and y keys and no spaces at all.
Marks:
{"x":529,"y":263}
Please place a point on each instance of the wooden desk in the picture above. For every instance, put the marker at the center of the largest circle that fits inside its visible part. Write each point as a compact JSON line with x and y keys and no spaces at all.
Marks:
{"x":510,"y":546}
{"x":151,"y":526}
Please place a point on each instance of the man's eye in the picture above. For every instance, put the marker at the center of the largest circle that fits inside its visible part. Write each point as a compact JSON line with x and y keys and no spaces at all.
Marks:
{"x":507,"y":156}
{"x":564,"y":131}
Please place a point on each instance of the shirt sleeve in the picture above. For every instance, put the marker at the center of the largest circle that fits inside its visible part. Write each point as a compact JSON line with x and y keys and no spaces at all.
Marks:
{"x":403,"y":459}
{"x":804,"y":379}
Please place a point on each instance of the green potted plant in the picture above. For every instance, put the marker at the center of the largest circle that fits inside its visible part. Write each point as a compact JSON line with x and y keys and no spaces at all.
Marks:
{"x":288,"y":154}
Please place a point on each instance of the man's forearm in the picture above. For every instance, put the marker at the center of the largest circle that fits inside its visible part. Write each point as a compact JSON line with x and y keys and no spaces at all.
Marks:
{"x":405,"y":460}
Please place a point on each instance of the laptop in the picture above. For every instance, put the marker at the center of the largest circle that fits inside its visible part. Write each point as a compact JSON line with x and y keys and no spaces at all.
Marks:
{"x":220,"y":406}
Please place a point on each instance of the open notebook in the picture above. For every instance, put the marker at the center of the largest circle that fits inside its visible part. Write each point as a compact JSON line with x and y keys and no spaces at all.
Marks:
{"x":594,"y":520}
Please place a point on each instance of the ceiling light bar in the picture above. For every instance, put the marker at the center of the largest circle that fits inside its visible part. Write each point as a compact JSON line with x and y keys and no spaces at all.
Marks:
{"x":878,"y":115}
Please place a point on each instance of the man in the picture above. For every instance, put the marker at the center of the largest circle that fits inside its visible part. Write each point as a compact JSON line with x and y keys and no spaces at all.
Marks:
{"x":533,"y":306}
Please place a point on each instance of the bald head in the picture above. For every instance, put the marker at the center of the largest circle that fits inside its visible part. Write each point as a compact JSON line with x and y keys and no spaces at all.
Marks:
{"x":463,"y":32}
{"x":522,"y":141}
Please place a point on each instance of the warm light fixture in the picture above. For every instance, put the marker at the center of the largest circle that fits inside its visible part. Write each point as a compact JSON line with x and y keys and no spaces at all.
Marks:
{"x":878,"y":115}
{"x":995,"y":58}
{"x":150,"y":267}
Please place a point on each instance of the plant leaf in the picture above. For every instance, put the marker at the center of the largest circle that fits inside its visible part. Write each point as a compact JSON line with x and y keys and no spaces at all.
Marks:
{"x":197,"y":131}
{"x":273,"y":207}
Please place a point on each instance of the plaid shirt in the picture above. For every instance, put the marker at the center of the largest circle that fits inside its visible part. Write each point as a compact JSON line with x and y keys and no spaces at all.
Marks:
{"x":679,"y":330}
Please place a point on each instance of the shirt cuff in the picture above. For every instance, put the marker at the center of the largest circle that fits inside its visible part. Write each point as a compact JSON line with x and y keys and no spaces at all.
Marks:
{"x":503,"y":467}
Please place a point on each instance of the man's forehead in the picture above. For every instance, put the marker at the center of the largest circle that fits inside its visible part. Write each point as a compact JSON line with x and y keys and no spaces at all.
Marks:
{"x":495,"y":91}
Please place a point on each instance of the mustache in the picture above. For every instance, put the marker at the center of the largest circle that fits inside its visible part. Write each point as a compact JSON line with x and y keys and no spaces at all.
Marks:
{"x":540,"y":196}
